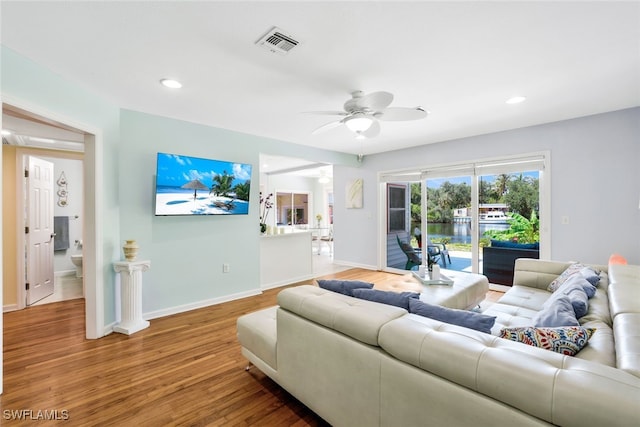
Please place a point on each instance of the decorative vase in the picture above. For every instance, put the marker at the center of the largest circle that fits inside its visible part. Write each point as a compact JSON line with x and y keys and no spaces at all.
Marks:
{"x":263,"y":227}
{"x":130,"y":249}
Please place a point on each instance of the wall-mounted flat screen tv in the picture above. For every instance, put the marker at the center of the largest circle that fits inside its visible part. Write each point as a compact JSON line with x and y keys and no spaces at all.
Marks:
{"x":194,"y":186}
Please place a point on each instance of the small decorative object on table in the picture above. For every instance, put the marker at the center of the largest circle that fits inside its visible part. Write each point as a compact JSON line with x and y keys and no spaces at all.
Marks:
{"x":425,"y":278}
{"x":318,"y":219}
{"x":130,"y":249}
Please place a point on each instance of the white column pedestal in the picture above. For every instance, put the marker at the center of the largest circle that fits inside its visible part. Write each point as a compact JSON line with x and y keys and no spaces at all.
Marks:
{"x":131,"y":296}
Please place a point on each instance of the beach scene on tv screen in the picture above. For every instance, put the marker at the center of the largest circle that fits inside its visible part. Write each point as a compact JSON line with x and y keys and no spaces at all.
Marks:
{"x":194,"y":186}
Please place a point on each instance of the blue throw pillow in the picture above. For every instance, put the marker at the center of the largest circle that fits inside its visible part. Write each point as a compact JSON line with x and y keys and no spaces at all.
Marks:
{"x":579,"y":280}
{"x":399,"y":299}
{"x":344,"y":287}
{"x":588,"y":273}
{"x":468,"y":319}
{"x":577,"y":289}
{"x":559,"y":313}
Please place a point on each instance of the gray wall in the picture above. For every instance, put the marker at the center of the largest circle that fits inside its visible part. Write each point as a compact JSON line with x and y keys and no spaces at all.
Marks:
{"x":595,"y":181}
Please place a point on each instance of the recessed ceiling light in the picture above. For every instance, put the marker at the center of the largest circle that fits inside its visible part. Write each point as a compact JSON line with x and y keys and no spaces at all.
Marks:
{"x":173,"y":84}
{"x":515,"y":100}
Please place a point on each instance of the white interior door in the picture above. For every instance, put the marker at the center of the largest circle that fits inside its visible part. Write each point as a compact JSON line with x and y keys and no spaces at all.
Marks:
{"x":39,"y":230}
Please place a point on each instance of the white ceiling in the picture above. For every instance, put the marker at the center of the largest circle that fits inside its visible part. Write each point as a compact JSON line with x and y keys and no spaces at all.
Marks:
{"x":459,"y":60}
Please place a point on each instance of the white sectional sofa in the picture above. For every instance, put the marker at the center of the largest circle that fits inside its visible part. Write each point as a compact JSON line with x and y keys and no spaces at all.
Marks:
{"x":357,"y":362}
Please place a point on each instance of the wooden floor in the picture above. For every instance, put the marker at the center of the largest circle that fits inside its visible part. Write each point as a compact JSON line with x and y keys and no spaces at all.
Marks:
{"x":184,"y":369}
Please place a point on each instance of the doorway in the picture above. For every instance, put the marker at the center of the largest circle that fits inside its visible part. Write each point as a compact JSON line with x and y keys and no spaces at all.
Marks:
{"x":91,"y":140}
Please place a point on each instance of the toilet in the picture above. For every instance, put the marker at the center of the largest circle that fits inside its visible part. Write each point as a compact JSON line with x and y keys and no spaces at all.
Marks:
{"x":77,"y":261}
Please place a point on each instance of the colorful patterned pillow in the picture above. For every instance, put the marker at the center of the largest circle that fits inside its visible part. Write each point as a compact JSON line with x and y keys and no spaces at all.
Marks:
{"x":588,"y":273}
{"x":567,"y":340}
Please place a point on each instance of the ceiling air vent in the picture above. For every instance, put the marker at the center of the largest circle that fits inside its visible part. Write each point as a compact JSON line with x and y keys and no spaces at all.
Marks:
{"x":277,"y":41}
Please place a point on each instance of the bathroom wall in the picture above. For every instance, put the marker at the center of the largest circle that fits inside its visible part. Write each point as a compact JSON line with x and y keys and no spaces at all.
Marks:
{"x":72,"y":168}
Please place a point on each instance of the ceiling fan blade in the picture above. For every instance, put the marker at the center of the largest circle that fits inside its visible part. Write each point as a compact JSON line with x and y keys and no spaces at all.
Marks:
{"x":401,"y":113}
{"x":327,"y":127}
{"x":375,"y":101}
{"x":373,"y":131}
{"x":326,"y":113}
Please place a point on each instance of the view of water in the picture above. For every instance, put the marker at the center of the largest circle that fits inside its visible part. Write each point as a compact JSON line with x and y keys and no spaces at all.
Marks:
{"x":459,"y":232}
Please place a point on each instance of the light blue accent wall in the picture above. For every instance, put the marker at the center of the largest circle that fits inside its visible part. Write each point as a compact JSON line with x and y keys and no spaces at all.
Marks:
{"x":187,"y":252}
{"x":33,"y":84}
{"x":595,"y":181}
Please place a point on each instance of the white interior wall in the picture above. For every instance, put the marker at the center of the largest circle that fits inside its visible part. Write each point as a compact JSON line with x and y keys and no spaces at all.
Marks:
{"x":73,"y":172}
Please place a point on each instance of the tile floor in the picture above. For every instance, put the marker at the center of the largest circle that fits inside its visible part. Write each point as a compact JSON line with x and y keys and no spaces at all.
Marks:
{"x":65,"y":288}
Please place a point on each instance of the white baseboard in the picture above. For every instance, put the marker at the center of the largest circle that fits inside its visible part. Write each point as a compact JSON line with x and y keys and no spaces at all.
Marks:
{"x":9,"y":307}
{"x":286,"y":282}
{"x":63,"y":273}
{"x":199,"y":304}
{"x":355,"y":265}
{"x":108,"y":329}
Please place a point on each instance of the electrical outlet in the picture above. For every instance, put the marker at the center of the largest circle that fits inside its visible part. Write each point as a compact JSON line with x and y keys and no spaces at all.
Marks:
{"x":225,"y":268}
{"x":565,"y":220}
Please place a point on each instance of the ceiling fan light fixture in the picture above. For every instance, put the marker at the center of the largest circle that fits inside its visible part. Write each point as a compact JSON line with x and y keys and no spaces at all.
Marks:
{"x":358,"y":123}
{"x":170,"y":83}
{"x":516,"y":100}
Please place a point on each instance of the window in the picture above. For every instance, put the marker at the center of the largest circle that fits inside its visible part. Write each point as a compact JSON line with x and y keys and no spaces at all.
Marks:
{"x":292,"y":208}
{"x":397,"y":208}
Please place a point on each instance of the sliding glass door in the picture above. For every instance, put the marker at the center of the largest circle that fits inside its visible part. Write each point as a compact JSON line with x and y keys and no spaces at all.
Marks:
{"x":448,"y":220}
{"x":453,"y":213}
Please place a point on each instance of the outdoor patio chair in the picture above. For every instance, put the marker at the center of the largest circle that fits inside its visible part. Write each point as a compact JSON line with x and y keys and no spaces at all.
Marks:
{"x":413,"y":254}
{"x":439,"y":249}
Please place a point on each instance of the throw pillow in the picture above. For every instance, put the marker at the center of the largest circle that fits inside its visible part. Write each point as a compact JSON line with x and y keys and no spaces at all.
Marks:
{"x":578,"y":290}
{"x":579,"y":279}
{"x":567,"y":340}
{"x":588,"y":273}
{"x":344,"y":287}
{"x":399,"y":299}
{"x":468,"y":319}
{"x":559,"y":313}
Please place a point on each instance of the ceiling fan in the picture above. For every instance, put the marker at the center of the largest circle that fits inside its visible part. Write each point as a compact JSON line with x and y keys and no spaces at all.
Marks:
{"x":362,"y":113}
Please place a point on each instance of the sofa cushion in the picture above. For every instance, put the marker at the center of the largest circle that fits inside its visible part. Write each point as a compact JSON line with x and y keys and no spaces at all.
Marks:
{"x":559,"y":313}
{"x":468,"y":319}
{"x":399,"y":299}
{"x":356,"y":318}
{"x":588,"y":273}
{"x":257,"y":333}
{"x":344,"y":287}
{"x":564,"y":340}
{"x":627,"y":332}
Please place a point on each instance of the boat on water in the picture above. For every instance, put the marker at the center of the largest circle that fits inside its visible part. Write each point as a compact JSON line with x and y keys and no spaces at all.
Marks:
{"x":494,"y":217}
